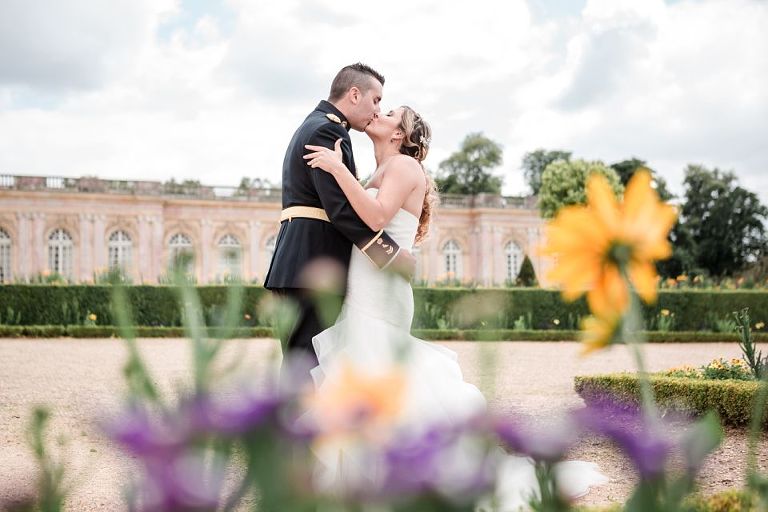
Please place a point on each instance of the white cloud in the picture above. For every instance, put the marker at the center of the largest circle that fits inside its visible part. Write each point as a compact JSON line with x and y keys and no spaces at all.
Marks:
{"x":92,"y":89}
{"x":74,"y":44}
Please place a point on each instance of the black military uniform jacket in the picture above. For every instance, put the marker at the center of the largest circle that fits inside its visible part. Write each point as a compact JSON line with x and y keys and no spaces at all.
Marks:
{"x":302,"y":240}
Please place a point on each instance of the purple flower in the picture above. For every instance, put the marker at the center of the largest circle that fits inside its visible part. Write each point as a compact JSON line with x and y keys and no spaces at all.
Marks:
{"x":186,"y":481}
{"x":176,"y":476}
{"x":243,"y":413}
{"x":545,"y":445}
{"x":144,"y":437}
{"x":641,"y":438}
{"x":454,"y":461}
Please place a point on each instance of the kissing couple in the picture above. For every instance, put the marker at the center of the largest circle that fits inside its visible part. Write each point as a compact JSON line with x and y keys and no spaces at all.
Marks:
{"x":360,"y":239}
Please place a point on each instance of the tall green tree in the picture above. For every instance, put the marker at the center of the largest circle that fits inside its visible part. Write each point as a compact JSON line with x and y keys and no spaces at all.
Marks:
{"x":565,"y":183}
{"x":534,"y":163}
{"x":468,"y":170}
{"x":627,"y":168}
{"x":724,"y":222}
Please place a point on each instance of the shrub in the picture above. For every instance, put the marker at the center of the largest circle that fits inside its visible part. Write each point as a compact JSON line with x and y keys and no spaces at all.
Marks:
{"x":731,"y":399}
{"x":724,"y":369}
{"x":72,"y":305}
{"x":727,"y":501}
{"x":435,"y":308}
{"x":527,"y":275}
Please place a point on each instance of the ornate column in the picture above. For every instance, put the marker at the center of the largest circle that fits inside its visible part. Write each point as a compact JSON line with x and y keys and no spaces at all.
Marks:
{"x":255,"y":267}
{"x":87,"y":268}
{"x":486,"y":259}
{"x":474,"y":241}
{"x":99,"y":245}
{"x":143,"y":265}
{"x":25,"y":246}
{"x":433,"y":268}
{"x":40,"y":262}
{"x":497,"y":273}
{"x":158,"y":230}
{"x":540,"y":264}
{"x":206,"y":247}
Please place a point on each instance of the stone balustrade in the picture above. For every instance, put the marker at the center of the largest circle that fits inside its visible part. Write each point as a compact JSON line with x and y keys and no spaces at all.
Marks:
{"x":194,"y":190}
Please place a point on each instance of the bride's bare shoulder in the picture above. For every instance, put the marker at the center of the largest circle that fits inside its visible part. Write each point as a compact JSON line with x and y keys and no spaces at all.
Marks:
{"x":405,"y":167}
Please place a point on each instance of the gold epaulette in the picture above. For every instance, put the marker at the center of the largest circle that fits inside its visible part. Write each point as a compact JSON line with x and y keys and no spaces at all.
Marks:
{"x":303,"y":212}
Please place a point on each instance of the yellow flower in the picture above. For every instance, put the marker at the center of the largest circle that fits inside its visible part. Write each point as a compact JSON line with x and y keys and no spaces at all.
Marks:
{"x":354,"y":402}
{"x":681,"y":278}
{"x":556,"y":321}
{"x":664,"y":312}
{"x":92,"y":317}
{"x":594,"y":242}
{"x":598,"y":332}
{"x":759,"y":325}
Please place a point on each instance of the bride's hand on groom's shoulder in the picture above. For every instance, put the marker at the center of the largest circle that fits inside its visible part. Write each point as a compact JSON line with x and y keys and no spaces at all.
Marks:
{"x":329,"y":160}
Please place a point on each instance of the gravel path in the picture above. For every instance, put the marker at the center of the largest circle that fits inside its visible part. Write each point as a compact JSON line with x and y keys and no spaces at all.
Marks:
{"x":81,"y":380}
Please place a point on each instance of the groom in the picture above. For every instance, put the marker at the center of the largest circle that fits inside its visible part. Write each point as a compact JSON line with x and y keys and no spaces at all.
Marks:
{"x":317,"y":222}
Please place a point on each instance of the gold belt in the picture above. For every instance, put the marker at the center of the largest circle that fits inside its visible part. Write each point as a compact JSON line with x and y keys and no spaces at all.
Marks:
{"x":303,"y":212}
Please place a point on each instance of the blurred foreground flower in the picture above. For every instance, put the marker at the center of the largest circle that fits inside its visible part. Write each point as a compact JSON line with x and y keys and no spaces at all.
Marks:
{"x":352,"y":402}
{"x":598,"y":244}
{"x":600,"y":331}
{"x":651,"y":446}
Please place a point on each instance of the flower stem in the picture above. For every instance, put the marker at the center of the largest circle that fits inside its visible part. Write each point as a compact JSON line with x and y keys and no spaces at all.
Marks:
{"x":756,"y":424}
{"x":632,"y":335}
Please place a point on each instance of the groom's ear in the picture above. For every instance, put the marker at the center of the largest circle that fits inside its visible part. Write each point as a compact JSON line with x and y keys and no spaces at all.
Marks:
{"x":354,"y":94}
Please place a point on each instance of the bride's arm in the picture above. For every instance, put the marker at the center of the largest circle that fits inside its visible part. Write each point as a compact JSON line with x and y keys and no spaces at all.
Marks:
{"x":399,"y":180}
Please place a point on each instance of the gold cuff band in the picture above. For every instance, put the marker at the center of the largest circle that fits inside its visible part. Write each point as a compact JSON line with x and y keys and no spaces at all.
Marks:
{"x":303,"y":212}
{"x":372,"y":240}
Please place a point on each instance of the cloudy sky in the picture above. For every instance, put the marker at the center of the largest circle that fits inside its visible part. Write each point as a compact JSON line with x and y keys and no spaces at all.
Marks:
{"x":213,"y":89}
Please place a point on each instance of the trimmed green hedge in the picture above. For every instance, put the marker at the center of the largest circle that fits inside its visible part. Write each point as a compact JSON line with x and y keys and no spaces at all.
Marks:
{"x":693,"y":310}
{"x":108,"y":331}
{"x":563,"y":335}
{"x":521,"y":309}
{"x":733,"y":400}
{"x":71,"y":305}
{"x":726,"y":501}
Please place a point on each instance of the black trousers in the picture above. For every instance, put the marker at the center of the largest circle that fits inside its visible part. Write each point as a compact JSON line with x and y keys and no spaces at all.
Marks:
{"x":310,"y":320}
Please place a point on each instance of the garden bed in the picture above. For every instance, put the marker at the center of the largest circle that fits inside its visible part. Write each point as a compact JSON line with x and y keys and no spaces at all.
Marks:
{"x":108,"y":331}
{"x":733,"y":400}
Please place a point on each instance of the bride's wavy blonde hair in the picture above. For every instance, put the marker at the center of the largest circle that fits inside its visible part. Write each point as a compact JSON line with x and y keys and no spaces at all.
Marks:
{"x":418,"y":136}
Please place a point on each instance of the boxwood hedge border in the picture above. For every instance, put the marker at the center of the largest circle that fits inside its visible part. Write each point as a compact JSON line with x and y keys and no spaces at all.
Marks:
{"x":733,"y":400}
{"x":445,"y":309}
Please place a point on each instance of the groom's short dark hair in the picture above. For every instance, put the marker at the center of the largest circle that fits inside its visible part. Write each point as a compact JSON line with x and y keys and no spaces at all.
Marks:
{"x":355,"y":75}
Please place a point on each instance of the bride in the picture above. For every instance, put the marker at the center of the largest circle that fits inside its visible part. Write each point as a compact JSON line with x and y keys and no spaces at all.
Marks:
{"x":373,"y":330}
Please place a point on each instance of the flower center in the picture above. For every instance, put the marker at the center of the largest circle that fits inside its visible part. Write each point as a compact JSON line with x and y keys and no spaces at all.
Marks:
{"x":619,"y":254}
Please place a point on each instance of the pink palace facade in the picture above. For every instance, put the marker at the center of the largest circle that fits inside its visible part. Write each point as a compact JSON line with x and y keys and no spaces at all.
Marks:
{"x":82,"y":227}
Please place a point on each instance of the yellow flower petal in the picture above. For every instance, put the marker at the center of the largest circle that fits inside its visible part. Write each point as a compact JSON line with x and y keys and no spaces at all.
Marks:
{"x":599,"y":332}
{"x":643,"y":276}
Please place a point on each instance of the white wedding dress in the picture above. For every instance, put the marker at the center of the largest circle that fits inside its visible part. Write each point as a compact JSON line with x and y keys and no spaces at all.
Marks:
{"x":373,"y":333}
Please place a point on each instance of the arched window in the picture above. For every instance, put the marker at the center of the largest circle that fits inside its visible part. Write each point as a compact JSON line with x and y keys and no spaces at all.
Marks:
{"x":269,"y":249}
{"x":60,"y":253}
{"x":452,"y":259}
{"x":229,"y":256}
{"x":5,"y":257}
{"x":514,"y":256}
{"x":119,"y":250}
{"x":180,"y":249}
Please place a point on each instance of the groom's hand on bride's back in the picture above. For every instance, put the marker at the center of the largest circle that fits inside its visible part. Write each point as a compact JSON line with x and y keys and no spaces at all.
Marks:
{"x":404,"y":264}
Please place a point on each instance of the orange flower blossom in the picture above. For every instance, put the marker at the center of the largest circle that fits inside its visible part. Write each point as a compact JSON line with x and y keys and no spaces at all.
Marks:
{"x":596,"y":243}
